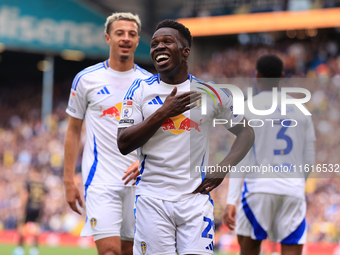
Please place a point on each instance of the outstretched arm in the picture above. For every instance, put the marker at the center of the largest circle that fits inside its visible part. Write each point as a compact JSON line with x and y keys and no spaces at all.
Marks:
{"x":234,"y":191}
{"x":72,"y":141}
{"x":244,"y":140}
{"x":133,"y":137}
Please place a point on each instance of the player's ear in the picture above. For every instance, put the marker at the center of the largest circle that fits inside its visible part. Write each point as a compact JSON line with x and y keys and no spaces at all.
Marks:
{"x":186,"y":52}
{"x":107,"y":37}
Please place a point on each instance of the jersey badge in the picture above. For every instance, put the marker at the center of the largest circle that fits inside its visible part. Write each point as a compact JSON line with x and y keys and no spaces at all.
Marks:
{"x":127,"y":109}
{"x":198,"y":102}
{"x":93,"y":222}
{"x":143,"y":247}
{"x":73,"y":95}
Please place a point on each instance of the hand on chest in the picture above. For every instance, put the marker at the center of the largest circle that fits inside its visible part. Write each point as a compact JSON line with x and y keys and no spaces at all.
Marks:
{"x":190,"y":120}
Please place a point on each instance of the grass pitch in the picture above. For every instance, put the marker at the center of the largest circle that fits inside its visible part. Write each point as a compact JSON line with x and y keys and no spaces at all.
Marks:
{"x":6,"y":249}
{"x":45,"y":250}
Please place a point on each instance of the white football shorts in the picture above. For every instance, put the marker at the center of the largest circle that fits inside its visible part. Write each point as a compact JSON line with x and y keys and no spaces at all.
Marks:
{"x":280,"y":217}
{"x":109,"y":211}
{"x":165,"y":227}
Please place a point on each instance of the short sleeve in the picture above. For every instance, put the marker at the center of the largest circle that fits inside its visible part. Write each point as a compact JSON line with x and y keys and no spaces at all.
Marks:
{"x":225,"y":110}
{"x":131,"y":113}
{"x":77,"y":102}
{"x":310,"y":132}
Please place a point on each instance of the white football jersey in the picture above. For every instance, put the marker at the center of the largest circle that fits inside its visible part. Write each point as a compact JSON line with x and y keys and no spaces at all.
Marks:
{"x":96,"y":96}
{"x":279,"y":144}
{"x":170,"y":161}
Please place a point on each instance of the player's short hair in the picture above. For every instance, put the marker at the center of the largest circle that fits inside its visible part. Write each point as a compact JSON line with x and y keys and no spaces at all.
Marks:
{"x":269,"y":66}
{"x":122,"y":16}
{"x":183,"y":30}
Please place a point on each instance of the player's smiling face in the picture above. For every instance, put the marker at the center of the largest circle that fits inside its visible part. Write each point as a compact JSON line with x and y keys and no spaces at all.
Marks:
{"x":168,"y":50}
{"x":123,"y":38}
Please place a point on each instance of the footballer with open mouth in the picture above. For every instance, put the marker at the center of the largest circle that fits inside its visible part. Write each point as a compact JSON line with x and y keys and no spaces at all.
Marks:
{"x":168,"y":52}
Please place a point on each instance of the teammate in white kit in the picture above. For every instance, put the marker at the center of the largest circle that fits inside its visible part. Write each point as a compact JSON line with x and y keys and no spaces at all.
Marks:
{"x":174,"y":211}
{"x":96,"y":96}
{"x":273,"y":205}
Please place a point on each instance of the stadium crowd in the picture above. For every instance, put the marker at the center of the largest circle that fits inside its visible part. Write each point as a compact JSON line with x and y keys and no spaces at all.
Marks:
{"x":201,"y":8}
{"x":26,"y":143}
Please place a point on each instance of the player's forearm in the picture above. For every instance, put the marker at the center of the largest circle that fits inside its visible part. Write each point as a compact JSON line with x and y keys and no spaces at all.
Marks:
{"x":133,"y":137}
{"x":243,"y":142}
{"x":71,"y":152}
{"x":234,"y":189}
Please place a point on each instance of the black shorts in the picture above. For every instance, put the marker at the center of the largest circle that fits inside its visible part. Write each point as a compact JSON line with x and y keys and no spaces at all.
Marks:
{"x":32,"y":215}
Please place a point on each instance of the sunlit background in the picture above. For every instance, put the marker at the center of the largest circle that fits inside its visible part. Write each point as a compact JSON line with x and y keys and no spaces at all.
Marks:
{"x":45,"y":43}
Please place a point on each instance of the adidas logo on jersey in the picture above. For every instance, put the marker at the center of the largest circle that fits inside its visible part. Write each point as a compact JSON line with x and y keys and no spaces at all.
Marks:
{"x":104,"y":91}
{"x":210,"y":246}
{"x":156,"y":100}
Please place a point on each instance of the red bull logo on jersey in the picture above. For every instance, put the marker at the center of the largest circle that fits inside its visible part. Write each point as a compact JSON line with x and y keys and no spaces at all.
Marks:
{"x":180,"y":124}
{"x":188,"y":124}
{"x":112,"y":112}
{"x":168,"y":124}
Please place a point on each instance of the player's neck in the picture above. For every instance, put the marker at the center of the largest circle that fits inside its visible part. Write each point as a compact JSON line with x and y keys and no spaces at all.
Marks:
{"x":121,"y":65}
{"x":175,"y":76}
{"x":266,"y":87}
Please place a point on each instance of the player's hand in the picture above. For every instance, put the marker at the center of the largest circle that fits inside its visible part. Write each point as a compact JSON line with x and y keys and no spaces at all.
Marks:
{"x":211,"y":181}
{"x":72,"y":196}
{"x":177,"y":104}
{"x":229,"y":216}
{"x":132,"y":172}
